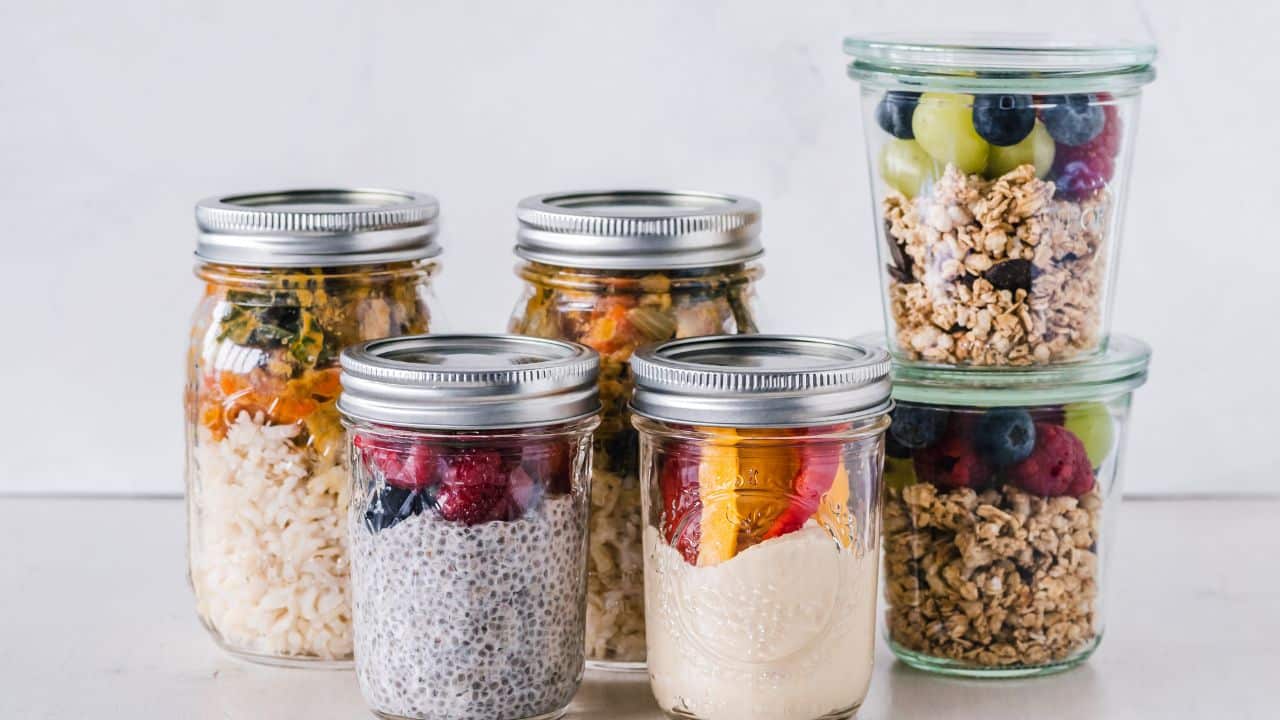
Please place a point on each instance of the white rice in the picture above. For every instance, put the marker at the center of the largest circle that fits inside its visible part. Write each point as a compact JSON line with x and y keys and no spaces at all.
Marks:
{"x":268,"y":543}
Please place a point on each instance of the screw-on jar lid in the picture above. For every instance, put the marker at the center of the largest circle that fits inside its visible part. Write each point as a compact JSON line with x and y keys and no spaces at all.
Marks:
{"x":317,"y":228}
{"x":760,"y":381}
{"x":1120,"y":368}
{"x":468,"y":381}
{"x":638,"y":229}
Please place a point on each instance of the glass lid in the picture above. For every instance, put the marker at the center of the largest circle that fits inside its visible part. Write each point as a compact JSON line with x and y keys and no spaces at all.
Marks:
{"x":986,"y":45}
{"x":1120,"y":368}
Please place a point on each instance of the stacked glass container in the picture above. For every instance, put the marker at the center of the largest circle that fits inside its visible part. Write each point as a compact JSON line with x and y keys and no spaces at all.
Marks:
{"x":998,"y":171}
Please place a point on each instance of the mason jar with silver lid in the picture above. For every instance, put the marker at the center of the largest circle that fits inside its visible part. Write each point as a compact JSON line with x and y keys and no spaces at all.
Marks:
{"x":470,"y":458}
{"x":614,"y":270}
{"x":290,"y":279}
{"x":761,"y":458}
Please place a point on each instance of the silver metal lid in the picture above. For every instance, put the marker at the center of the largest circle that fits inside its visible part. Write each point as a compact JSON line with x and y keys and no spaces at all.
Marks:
{"x":760,"y":381}
{"x":468,"y":381}
{"x":320,"y":227}
{"x":638,"y":229}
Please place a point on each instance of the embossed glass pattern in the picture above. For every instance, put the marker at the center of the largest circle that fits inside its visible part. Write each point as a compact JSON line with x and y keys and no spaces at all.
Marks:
{"x":761,"y":563}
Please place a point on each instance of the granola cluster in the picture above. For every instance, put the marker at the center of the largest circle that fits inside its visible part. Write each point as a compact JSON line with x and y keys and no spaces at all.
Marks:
{"x":998,"y":578}
{"x":996,"y":272}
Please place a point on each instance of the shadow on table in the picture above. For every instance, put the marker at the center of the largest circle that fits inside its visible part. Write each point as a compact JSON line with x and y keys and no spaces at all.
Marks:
{"x":912,"y":693}
{"x":614,"y":696}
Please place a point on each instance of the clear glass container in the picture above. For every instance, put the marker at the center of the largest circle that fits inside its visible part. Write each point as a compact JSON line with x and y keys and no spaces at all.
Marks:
{"x":615,"y":288}
{"x":761,"y":541}
{"x":267,"y":489}
{"x":470,"y":471}
{"x":1002,"y":489}
{"x":998,"y":169}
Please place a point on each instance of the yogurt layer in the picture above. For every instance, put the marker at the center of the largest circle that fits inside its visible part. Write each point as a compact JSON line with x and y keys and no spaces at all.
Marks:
{"x":782,"y":631}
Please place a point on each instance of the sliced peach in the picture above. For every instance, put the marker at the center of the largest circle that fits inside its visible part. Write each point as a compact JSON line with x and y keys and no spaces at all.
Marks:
{"x":717,"y":480}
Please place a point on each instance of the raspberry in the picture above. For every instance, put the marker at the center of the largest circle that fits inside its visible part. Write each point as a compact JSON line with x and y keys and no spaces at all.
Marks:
{"x":474,"y":488}
{"x":1079,"y":172}
{"x":953,"y":463}
{"x":408,"y":466}
{"x":1058,"y":465}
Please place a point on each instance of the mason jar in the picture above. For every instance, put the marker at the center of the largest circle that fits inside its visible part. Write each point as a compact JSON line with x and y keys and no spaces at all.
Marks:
{"x":471,"y":464}
{"x":1003,"y":488}
{"x":615,"y":270}
{"x":290,"y":278}
{"x":761,"y":459}
{"x":998,"y":177}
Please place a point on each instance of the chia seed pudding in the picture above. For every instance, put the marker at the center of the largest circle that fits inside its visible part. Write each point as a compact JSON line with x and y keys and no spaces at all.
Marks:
{"x":483,"y":621}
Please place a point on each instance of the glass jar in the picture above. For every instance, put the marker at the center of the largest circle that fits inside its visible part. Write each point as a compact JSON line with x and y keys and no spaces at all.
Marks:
{"x":471,"y":464}
{"x":761,"y":457}
{"x":998,"y":171}
{"x":290,"y":279}
{"x":1001,"y":491}
{"x":613,"y":271}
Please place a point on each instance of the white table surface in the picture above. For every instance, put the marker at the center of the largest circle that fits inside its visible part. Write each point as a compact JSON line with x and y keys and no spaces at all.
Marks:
{"x":96,"y":621}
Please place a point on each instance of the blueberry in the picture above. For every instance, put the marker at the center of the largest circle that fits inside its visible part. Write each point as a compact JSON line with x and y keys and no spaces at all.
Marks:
{"x":917,"y":427}
{"x":1005,"y":436}
{"x":389,"y":505}
{"x":895,"y":449}
{"x":1003,"y":119}
{"x":1073,"y":119}
{"x":894,"y":113}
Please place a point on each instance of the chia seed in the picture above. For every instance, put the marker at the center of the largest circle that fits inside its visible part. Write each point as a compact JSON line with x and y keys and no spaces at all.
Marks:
{"x":462,"y":623}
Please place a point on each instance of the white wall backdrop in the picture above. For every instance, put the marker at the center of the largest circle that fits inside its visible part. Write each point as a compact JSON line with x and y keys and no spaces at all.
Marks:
{"x":116,"y":117}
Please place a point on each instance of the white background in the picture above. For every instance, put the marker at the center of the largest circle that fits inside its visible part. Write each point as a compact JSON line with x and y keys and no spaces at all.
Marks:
{"x":116,"y":117}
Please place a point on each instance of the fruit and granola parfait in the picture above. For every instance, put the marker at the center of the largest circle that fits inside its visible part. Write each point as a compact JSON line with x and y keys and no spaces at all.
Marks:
{"x":467,"y":574}
{"x":614,"y":312}
{"x":992,"y":524}
{"x":267,"y":487}
{"x":999,"y":223}
{"x":998,"y":158}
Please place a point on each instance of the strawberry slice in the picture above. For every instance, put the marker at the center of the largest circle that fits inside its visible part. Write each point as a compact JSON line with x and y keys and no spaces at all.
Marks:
{"x":819,"y":464}
{"x":681,"y":504}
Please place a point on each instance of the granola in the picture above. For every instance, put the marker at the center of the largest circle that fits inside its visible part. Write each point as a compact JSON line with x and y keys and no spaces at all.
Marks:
{"x":996,"y":272}
{"x":998,"y":578}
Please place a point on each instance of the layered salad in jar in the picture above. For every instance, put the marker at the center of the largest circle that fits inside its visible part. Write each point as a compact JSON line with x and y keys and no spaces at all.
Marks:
{"x":267,"y":488}
{"x":615,"y":312}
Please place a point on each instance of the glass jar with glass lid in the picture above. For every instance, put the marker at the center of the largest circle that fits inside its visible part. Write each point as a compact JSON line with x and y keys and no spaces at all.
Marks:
{"x":999,"y":166}
{"x":471,"y":459}
{"x":1002,"y":490}
{"x":615,"y":270}
{"x":761,"y":458}
{"x":290,"y":279}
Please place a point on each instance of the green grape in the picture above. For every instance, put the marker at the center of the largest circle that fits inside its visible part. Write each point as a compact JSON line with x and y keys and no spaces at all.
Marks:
{"x":943,"y":125}
{"x":899,"y":472}
{"x":1091,"y":422}
{"x":907,"y":168}
{"x":1035,"y":149}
